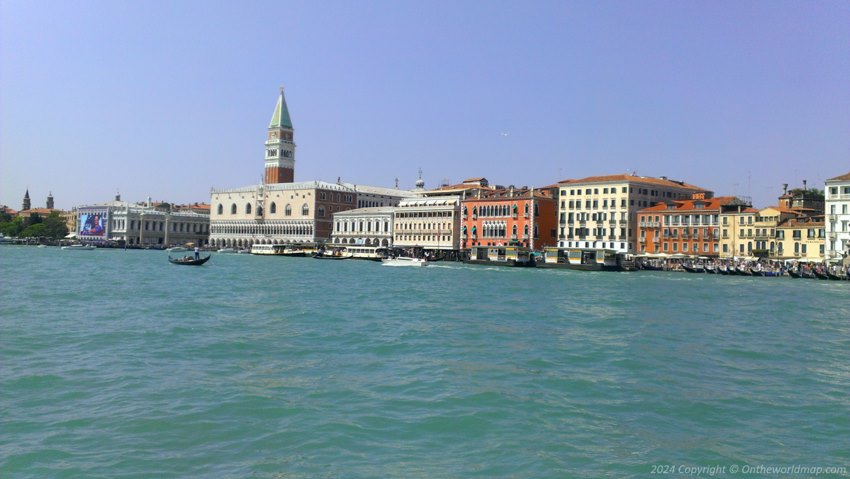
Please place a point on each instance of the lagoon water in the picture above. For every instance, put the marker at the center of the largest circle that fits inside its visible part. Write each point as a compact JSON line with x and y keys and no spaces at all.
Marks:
{"x":116,"y":364}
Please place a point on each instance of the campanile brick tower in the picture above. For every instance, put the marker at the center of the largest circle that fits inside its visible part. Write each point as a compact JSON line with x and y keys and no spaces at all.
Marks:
{"x":280,"y":149}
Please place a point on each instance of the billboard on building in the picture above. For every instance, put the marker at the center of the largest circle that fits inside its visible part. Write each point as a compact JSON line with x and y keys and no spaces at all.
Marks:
{"x":93,"y":224}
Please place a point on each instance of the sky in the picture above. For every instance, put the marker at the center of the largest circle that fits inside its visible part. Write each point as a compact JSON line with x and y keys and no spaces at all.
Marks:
{"x":168,"y":99}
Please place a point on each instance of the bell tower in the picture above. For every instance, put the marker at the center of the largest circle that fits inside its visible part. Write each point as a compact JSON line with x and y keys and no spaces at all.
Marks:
{"x":280,"y":148}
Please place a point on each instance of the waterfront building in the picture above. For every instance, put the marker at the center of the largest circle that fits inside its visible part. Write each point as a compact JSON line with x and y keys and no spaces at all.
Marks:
{"x":143,"y":225}
{"x":431,"y":223}
{"x":837,"y":220}
{"x":690,"y":227}
{"x":737,"y":221}
{"x":601,"y":211}
{"x":801,"y":238}
{"x":281,"y":210}
{"x":509,"y":216}
{"x":364,"y":227}
{"x":765,"y":227}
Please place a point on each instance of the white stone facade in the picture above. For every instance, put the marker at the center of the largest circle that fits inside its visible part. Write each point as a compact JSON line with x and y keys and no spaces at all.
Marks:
{"x":837,"y":217}
{"x":364,"y":227}
{"x":146,"y":226}
{"x":431,"y":223}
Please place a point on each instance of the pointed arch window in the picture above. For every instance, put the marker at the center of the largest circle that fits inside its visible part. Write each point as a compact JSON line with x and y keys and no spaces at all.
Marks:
{"x":273,"y":208}
{"x":305,"y":210}
{"x":233,"y":209}
{"x":248,"y":209}
{"x":287,"y":210}
{"x":220,"y":209}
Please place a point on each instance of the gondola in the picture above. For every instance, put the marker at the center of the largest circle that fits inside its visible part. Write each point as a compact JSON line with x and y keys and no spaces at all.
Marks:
{"x":821,"y":275}
{"x":835,"y":277}
{"x":189,"y":260}
{"x":694,"y":269}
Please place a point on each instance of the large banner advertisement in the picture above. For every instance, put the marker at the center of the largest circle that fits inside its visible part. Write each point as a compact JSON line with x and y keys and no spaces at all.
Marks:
{"x":93,"y":224}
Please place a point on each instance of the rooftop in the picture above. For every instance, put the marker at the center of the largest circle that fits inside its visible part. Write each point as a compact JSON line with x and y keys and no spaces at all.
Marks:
{"x":662,"y":181}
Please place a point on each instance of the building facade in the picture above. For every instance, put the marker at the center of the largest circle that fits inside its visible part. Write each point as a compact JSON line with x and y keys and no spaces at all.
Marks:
{"x":690,"y":227}
{"x":509,"y":217}
{"x":431,"y":223}
{"x":801,"y":238}
{"x":737,"y":224}
{"x":601,"y":211}
{"x":140,"y":225}
{"x":837,"y":217}
{"x":371,"y":227}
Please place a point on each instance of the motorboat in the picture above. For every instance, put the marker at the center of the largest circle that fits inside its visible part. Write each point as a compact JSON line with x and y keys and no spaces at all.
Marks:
{"x":404,"y":261}
{"x":79,"y":247}
{"x":227,"y":250}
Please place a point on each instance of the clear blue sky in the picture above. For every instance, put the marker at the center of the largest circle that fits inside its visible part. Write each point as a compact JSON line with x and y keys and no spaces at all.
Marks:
{"x":167,"y":99}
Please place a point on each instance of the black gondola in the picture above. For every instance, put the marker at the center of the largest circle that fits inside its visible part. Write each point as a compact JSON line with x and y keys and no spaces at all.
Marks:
{"x":189,"y":260}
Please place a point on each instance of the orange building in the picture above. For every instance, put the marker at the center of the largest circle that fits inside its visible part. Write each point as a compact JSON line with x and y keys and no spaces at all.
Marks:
{"x":690,"y":227}
{"x":524,"y":217}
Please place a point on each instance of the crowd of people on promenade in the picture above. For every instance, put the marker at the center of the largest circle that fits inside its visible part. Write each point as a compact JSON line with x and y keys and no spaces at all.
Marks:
{"x":748,"y":267}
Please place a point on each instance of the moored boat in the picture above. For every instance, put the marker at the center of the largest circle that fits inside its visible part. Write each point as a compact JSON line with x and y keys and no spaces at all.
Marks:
{"x":586,"y":259}
{"x":500,"y":256}
{"x":335,"y":253}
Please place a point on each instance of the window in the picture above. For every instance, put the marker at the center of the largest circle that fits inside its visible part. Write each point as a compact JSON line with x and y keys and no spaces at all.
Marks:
{"x":322,"y":212}
{"x":287,"y":210}
{"x":305,"y":210}
{"x":248,"y":209}
{"x":273,"y":208}
{"x":220,"y":209}
{"x":233,"y":209}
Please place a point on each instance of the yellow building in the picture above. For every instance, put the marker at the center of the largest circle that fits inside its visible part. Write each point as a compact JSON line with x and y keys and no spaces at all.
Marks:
{"x":801,"y":238}
{"x":765,"y":224}
{"x":737,"y":230}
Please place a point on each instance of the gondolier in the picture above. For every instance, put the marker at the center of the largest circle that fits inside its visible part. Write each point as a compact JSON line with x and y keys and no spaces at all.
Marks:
{"x":197,"y":253}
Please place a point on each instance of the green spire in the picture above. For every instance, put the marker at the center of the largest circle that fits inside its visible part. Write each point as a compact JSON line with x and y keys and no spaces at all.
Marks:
{"x":280,"y":117}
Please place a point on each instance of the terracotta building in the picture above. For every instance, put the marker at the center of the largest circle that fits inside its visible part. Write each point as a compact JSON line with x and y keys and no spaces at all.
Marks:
{"x":525,"y":217}
{"x":690,"y":227}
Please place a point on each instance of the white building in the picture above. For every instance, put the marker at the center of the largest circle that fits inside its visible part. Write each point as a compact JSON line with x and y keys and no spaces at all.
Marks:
{"x":430,"y":223}
{"x":141,"y":225}
{"x":837,"y":216}
{"x":601,"y":211}
{"x":369,"y":227}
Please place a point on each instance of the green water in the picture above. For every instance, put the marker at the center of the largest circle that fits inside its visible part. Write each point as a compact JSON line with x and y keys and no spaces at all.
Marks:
{"x":116,"y":364}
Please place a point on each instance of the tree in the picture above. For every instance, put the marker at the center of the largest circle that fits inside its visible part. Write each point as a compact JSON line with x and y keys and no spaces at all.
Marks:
{"x":55,"y":226}
{"x":12,"y":228}
{"x":38,"y":230}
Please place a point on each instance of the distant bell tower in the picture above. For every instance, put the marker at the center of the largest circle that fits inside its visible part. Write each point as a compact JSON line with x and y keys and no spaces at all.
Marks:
{"x":26,"y":205}
{"x":280,"y":149}
{"x":50,"y":201}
